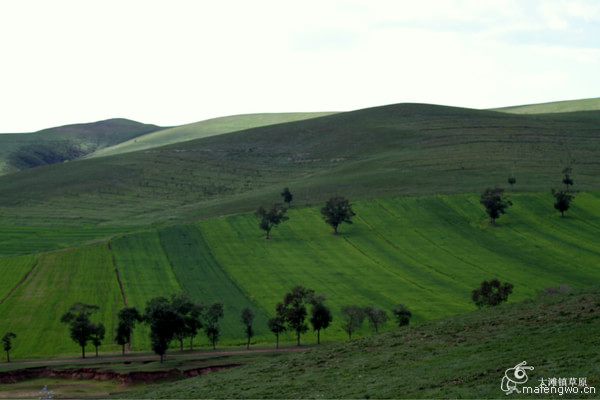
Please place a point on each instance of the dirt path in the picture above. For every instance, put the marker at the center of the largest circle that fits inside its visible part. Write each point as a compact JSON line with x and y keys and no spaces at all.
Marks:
{"x":133,"y":356}
{"x":21,"y":282}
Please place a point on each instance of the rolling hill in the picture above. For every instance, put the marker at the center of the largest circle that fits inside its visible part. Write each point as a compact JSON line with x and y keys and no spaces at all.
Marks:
{"x":404,"y":149}
{"x":56,"y":145}
{"x":555,"y":107}
{"x":154,"y":221}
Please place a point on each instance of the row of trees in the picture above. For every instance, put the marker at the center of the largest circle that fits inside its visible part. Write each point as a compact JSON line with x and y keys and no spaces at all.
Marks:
{"x":179,"y":318}
{"x":292,"y":314}
{"x":496,"y":202}
{"x":336,"y":211}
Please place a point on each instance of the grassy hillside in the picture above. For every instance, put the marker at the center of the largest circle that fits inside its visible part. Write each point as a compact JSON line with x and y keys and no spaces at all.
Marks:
{"x":426,"y":252}
{"x":555,"y":107}
{"x":464,"y":356}
{"x":405,"y":149}
{"x":197,"y":130}
{"x":65,"y":143}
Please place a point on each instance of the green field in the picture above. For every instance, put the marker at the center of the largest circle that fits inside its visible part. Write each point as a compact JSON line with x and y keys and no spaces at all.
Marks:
{"x":426,"y":252}
{"x":555,"y":107}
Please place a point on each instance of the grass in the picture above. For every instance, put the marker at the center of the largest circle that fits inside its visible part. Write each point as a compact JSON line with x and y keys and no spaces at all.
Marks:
{"x":406,"y":149}
{"x":463,"y":356}
{"x":202,"y":129}
{"x":426,"y":252}
{"x":555,"y":107}
{"x":65,"y":143}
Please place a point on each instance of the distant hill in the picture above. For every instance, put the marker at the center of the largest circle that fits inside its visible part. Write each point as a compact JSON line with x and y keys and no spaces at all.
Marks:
{"x":198,"y":130}
{"x":555,"y":107}
{"x":65,"y":143}
{"x":401,"y":149}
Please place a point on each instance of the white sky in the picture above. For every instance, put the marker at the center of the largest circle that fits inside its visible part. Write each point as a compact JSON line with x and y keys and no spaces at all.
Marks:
{"x":172,"y":62}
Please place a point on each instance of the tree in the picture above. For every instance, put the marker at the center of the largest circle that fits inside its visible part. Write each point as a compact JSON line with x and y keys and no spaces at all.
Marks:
{"x":336,"y":211}
{"x":320,"y":316}
{"x":353,"y":317}
{"x":98,"y":333}
{"x":271,"y":218}
{"x":402,"y":315}
{"x":81,"y":328}
{"x":511,"y":181}
{"x":294,"y":309}
{"x":491,"y":293}
{"x":189,"y":321}
{"x":247,"y":319}
{"x":7,"y":343}
{"x":495,"y":202}
{"x":567,"y":179}
{"x":563,"y":200}
{"x":287,"y":196}
{"x":164,"y":322}
{"x":375,"y":316}
{"x":128,"y":317}
{"x":277,"y":323}
{"x":211,"y":322}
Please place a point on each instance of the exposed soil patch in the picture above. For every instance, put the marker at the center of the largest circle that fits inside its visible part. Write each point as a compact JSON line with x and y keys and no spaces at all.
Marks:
{"x":99,"y":374}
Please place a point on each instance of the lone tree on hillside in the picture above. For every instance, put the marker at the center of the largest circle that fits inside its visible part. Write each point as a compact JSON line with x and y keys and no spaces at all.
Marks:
{"x":491,"y":293}
{"x":294,"y":309}
{"x":511,"y":181}
{"x":495,"y":202}
{"x":287,"y":196}
{"x":376,"y":317}
{"x":563,"y":200}
{"x":336,"y":211}
{"x":271,"y":218}
{"x":247,"y":319}
{"x":7,"y":343}
{"x":353,"y":317}
{"x":320,"y":316}
{"x":164,"y":321}
{"x":128,"y":317}
{"x":567,"y":179}
{"x":81,"y":328}
{"x":402,"y":315}
{"x":277,"y":323}
{"x":211,"y":322}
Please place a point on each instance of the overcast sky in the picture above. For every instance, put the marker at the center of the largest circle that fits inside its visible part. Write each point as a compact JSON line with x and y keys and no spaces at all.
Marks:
{"x":172,"y":62}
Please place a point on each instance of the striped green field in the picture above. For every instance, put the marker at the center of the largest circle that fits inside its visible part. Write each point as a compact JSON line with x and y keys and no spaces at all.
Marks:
{"x":426,"y":252}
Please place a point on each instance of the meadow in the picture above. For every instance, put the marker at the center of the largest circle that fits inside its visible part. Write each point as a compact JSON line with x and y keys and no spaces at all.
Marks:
{"x":425,"y":252}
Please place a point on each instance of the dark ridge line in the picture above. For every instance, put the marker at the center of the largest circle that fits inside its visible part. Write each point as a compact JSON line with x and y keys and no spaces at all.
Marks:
{"x":21,"y":282}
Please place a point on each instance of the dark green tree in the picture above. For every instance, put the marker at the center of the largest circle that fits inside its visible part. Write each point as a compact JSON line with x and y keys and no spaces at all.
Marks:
{"x":7,"y":343}
{"x":562,"y":200}
{"x":193,"y":322}
{"x":376,"y":317}
{"x":567,"y":179}
{"x":190,"y":317}
{"x":495,"y":202}
{"x":320,"y":316}
{"x":128,"y":317}
{"x":511,"y":181}
{"x":271,"y":218}
{"x":294,"y":308}
{"x":211,"y":322}
{"x":164,"y":321}
{"x":80,"y":327}
{"x":98,"y":333}
{"x":491,"y":293}
{"x":277,"y":323}
{"x":402,"y":315}
{"x":247,"y":320}
{"x":353,"y":317}
{"x":287,"y":196}
{"x":337,"y":210}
